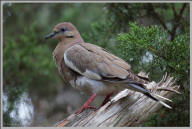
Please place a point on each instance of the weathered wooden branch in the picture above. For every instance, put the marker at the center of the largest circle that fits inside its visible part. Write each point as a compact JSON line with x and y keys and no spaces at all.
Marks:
{"x":127,"y":108}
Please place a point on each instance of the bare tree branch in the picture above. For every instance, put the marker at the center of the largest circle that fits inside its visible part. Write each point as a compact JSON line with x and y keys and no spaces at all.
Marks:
{"x":127,"y":108}
{"x":177,"y":20}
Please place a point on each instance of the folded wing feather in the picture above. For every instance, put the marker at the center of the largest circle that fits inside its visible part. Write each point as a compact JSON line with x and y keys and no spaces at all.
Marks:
{"x":93,"y":62}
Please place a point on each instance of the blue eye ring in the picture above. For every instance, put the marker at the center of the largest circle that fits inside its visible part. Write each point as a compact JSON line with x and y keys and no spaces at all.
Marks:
{"x":63,"y":29}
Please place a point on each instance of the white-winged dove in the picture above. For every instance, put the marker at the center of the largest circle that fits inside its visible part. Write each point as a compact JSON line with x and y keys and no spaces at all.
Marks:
{"x":92,"y":69}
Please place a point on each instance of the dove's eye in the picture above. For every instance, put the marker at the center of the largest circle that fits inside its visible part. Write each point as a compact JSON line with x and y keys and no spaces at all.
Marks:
{"x":63,"y":29}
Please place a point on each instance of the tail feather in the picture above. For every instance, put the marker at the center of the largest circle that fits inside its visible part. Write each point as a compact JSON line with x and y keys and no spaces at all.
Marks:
{"x":164,"y":104}
{"x":151,"y":95}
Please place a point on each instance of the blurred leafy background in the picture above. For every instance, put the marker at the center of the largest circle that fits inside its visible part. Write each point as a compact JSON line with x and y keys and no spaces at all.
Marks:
{"x":152,"y":37}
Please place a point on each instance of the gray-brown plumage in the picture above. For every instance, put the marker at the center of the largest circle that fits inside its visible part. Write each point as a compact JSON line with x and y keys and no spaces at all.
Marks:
{"x":92,"y":69}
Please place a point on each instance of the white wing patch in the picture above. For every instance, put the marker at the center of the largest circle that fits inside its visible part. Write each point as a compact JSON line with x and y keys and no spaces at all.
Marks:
{"x":92,"y":75}
{"x":87,"y":73}
{"x":70,"y":64}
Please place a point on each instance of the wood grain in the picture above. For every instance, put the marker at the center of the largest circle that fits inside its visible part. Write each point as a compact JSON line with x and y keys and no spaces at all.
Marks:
{"x":127,"y":108}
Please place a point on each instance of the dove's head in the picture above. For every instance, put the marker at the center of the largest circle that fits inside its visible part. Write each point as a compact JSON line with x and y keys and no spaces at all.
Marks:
{"x":64,"y":30}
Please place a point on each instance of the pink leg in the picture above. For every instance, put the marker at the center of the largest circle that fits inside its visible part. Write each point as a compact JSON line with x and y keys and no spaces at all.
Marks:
{"x":86,"y":105}
{"x":107,"y":98}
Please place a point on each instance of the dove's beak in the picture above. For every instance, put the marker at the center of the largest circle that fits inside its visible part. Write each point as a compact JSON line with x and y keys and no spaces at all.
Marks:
{"x":50,"y":35}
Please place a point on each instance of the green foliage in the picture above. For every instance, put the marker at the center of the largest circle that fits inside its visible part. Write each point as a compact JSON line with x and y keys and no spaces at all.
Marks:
{"x":98,"y":31}
{"x":27,"y":65}
{"x":167,"y":56}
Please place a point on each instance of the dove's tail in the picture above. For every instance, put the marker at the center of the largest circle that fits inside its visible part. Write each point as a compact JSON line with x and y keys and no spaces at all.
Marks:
{"x":150,"y":94}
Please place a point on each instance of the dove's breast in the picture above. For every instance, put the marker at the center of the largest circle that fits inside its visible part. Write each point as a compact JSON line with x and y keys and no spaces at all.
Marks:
{"x":91,"y":86}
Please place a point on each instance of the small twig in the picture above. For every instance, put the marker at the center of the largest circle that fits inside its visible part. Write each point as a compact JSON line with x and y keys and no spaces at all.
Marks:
{"x":174,"y":10}
{"x":177,"y":20}
{"x":161,"y":20}
{"x":182,"y":9}
{"x":161,"y":56}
